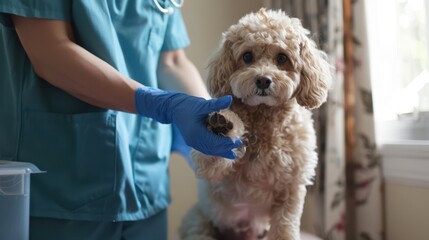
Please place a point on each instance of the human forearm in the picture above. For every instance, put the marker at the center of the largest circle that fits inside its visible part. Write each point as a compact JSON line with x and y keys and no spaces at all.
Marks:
{"x":176,"y":72}
{"x":66,"y":65}
{"x":88,"y":78}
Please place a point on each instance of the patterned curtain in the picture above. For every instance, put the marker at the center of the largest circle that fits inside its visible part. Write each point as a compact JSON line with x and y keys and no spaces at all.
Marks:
{"x":346,"y":200}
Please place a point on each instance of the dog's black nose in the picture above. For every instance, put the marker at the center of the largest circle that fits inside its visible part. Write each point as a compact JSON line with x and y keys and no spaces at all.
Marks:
{"x":263,"y":82}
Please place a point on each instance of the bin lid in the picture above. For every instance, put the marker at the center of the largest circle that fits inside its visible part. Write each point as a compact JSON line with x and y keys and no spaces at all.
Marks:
{"x":14,"y":168}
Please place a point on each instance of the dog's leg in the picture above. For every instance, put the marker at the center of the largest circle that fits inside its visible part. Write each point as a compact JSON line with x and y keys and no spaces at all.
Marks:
{"x":210,"y":167}
{"x":286,"y":216}
{"x":226,"y":123}
{"x":195,"y":226}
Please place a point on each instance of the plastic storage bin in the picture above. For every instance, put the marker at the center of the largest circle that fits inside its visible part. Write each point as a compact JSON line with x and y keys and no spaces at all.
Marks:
{"x":15,"y":199}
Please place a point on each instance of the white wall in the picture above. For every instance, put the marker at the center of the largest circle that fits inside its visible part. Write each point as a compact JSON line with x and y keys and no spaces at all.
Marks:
{"x":205,"y":20}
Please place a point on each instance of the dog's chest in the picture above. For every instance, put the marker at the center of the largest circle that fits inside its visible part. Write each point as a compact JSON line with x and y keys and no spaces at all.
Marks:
{"x":269,"y":137}
{"x":264,"y":137}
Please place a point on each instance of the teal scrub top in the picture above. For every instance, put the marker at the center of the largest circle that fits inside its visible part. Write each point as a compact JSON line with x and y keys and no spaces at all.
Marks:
{"x":101,"y":164}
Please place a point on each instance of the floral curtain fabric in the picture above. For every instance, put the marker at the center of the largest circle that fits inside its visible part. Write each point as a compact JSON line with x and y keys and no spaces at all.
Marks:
{"x":346,"y":200}
{"x":366,"y":165}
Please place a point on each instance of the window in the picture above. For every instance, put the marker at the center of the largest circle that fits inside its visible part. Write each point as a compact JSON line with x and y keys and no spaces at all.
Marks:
{"x":399,"y":55}
{"x":399,"y":49}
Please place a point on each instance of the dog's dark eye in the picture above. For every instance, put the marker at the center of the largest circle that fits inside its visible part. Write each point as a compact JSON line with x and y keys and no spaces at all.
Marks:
{"x":281,"y":58}
{"x":248,"y":57}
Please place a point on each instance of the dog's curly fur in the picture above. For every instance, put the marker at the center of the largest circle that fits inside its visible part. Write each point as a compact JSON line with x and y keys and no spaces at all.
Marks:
{"x":276,"y":75}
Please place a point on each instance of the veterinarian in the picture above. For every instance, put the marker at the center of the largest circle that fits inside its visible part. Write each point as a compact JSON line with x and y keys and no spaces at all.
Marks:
{"x":80,"y":98}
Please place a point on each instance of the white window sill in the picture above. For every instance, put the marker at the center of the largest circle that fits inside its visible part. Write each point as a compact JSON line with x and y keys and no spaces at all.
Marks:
{"x":406,"y":163}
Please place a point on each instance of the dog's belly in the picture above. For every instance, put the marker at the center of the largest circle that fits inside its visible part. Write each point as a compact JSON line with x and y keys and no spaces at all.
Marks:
{"x":243,"y":221}
{"x":237,"y":212}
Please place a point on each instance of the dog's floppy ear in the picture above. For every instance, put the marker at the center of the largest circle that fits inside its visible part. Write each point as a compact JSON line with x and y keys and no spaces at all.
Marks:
{"x":315,"y":75}
{"x":221,"y":66}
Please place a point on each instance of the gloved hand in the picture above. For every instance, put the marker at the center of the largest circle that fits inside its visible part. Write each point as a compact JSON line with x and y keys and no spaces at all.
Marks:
{"x":188,"y":114}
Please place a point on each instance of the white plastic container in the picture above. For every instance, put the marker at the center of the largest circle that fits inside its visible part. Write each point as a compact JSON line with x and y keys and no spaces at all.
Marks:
{"x":15,"y":199}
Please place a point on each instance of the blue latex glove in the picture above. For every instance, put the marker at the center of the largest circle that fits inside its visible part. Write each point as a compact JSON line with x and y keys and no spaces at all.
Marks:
{"x":188,"y":114}
{"x":178,"y":145}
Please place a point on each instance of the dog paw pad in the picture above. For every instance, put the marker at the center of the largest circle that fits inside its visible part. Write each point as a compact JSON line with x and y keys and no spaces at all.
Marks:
{"x":218,"y":124}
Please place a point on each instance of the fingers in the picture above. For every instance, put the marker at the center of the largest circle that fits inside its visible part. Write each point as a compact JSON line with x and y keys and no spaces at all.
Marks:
{"x":229,"y":155}
{"x":215,"y":105}
{"x":212,"y":144}
{"x":225,"y":147}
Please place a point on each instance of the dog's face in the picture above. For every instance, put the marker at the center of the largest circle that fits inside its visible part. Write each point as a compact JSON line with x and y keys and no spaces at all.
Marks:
{"x":264,"y":74}
{"x":267,"y":58}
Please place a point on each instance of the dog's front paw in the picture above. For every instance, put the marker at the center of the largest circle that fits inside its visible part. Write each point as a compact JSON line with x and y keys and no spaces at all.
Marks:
{"x":228,"y":124}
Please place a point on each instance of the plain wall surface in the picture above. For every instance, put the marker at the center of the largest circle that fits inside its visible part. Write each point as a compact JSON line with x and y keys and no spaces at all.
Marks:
{"x":205,"y":21}
{"x":407,"y":212}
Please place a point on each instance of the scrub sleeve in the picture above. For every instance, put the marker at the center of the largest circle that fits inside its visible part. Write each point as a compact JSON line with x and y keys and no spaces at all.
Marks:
{"x":101,"y":165}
